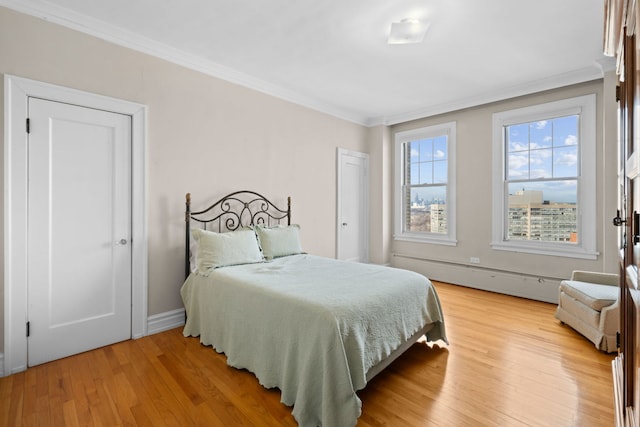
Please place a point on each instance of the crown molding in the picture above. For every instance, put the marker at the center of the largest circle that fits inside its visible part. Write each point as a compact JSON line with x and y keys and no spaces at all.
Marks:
{"x":102,"y":30}
{"x":554,"y":82}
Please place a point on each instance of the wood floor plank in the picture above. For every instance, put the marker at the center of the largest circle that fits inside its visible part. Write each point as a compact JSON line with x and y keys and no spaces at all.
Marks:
{"x":509,"y":363}
{"x":6,"y":389}
{"x":70,"y":414}
{"x":16,"y":407}
{"x":82,"y":387}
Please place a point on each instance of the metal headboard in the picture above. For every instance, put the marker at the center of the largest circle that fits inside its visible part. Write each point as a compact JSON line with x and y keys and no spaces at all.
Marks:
{"x":233,"y":211}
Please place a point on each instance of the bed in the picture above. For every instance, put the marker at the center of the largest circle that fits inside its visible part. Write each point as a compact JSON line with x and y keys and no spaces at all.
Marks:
{"x":316,"y":328}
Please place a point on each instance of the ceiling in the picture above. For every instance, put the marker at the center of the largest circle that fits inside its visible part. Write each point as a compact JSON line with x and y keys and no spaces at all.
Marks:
{"x":333,"y":56}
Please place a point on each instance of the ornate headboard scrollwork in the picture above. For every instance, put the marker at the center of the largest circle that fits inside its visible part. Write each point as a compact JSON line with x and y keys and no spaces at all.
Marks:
{"x":232,"y":212}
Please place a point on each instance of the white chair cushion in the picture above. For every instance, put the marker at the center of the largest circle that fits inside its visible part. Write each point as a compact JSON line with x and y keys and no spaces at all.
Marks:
{"x":579,"y":312}
{"x":590,"y":294}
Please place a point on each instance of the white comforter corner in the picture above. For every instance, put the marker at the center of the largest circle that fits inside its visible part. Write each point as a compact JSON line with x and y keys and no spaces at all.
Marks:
{"x":310,"y":326}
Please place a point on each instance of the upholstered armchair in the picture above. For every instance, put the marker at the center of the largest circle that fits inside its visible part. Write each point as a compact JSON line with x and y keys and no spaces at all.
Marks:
{"x":589,"y":303}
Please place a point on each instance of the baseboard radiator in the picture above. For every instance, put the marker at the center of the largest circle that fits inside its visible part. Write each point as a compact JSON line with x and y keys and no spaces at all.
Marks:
{"x":536,"y":287}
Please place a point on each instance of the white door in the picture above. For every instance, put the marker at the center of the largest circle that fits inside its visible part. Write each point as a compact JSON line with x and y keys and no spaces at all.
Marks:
{"x":353,"y":206}
{"x":79,"y":228}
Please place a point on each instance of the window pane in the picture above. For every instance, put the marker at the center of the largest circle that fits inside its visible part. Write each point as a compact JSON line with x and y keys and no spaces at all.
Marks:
{"x":543,"y":211}
{"x":414,"y":151}
{"x":560,"y":191}
{"x":541,"y":161}
{"x":414,"y":174}
{"x":440,"y":148}
{"x":426,"y":150}
{"x":440,"y":172}
{"x":543,"y":149}
{"x":426,"y":173}
{"x":518,"y":137}
{"x":565,"y":131}
{"x":518,"y":165}
{"x":424,"y":154}
{"x":565,"y":161}
{"x":427,"y":210}
{"x":540,"y":135}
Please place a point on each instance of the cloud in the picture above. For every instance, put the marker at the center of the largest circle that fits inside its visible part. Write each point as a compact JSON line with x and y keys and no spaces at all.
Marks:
{"x":539,"y":155}
{"x":540,"y":173}
{"x":571,"y":140}
{"x":518,"y":146}
{"x":567,"y":184}
{"x":518,"y":174}
{"x":517,"y":161}
{"x":541,"y":124}
{"x":567,"y":159}
{"x":439,"y":154}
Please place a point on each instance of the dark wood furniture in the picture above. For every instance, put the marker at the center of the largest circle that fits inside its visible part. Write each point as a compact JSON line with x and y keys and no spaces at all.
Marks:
{"x":621,"y":26}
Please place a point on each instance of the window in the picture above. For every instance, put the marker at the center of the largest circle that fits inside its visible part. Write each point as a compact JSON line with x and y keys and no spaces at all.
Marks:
{"x":425,"y":184}
{"x":544,"y":179}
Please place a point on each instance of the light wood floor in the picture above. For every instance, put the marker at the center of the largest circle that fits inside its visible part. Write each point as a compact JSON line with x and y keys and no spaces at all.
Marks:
{"x":510,"y":363}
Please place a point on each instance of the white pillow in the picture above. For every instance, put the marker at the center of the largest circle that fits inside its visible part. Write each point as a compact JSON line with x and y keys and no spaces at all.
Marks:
{"x":222,"y":249}
{"x":193,"y":253}
{"x":279,"y":241}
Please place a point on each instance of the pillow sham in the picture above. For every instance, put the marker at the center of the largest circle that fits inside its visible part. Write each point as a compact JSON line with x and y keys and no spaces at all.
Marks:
{"x":222,"y":249}
{"x":193,"y":253}
{"x":278,"y":241}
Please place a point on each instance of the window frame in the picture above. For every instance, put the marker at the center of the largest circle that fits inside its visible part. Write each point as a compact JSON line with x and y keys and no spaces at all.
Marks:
{"x":403,"y":137}
{"x":585,"y":107}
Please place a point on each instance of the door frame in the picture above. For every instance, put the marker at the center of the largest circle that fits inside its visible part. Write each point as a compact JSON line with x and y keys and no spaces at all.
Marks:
{"x":17,"y":91}
{"x":339,"y":153}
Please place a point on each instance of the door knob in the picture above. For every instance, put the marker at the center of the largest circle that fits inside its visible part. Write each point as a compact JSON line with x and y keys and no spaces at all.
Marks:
{"x":123,"y":241}
{"x":344,"y":224}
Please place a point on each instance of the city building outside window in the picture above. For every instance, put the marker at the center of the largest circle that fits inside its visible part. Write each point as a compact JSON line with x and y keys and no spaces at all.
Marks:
{"x":425,"y":184}
{"x":544,"y":179}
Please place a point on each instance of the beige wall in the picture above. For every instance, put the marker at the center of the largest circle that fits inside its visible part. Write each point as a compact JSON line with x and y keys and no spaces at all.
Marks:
{"x":205,"y":136}
{"x":381,"y":194}
{"x":474,"y":204}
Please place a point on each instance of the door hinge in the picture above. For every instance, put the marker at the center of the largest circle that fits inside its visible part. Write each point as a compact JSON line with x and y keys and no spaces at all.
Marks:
{"x":617,"y":339}
{"x":28,"y":125}
{"x":618,"y":93}
{"x":28,"y":328}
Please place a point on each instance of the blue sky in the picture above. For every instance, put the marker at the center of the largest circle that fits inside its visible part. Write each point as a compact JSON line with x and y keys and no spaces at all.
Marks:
{"x":543,"y":149}
{"x":429,"y":160}
{"x":429,"y":163}
{"x":546,"y":149}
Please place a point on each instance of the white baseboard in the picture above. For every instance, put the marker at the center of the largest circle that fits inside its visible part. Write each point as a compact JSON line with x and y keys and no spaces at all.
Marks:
{"x":1,"y":365}
{"x":165,"y":321}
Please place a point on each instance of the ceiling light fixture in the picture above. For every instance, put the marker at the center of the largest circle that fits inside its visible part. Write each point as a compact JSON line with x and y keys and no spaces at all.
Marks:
{"x":407,"y":31}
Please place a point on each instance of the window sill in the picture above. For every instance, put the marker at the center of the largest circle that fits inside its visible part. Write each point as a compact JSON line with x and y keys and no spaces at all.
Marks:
{"x":542,"y":249}
{"x":445,"y":240}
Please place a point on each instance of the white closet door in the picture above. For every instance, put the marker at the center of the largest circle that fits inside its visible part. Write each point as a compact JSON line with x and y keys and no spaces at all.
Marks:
{"x":353,"y":214}
{"x":79,"y":228}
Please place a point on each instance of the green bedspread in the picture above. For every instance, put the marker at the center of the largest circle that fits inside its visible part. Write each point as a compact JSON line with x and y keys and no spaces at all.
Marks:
{"x":310,"y":326}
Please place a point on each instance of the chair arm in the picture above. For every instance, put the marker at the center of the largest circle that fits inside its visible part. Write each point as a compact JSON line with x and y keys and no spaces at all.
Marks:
{"x":594,"y":277}
{"x":610,"y":319}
